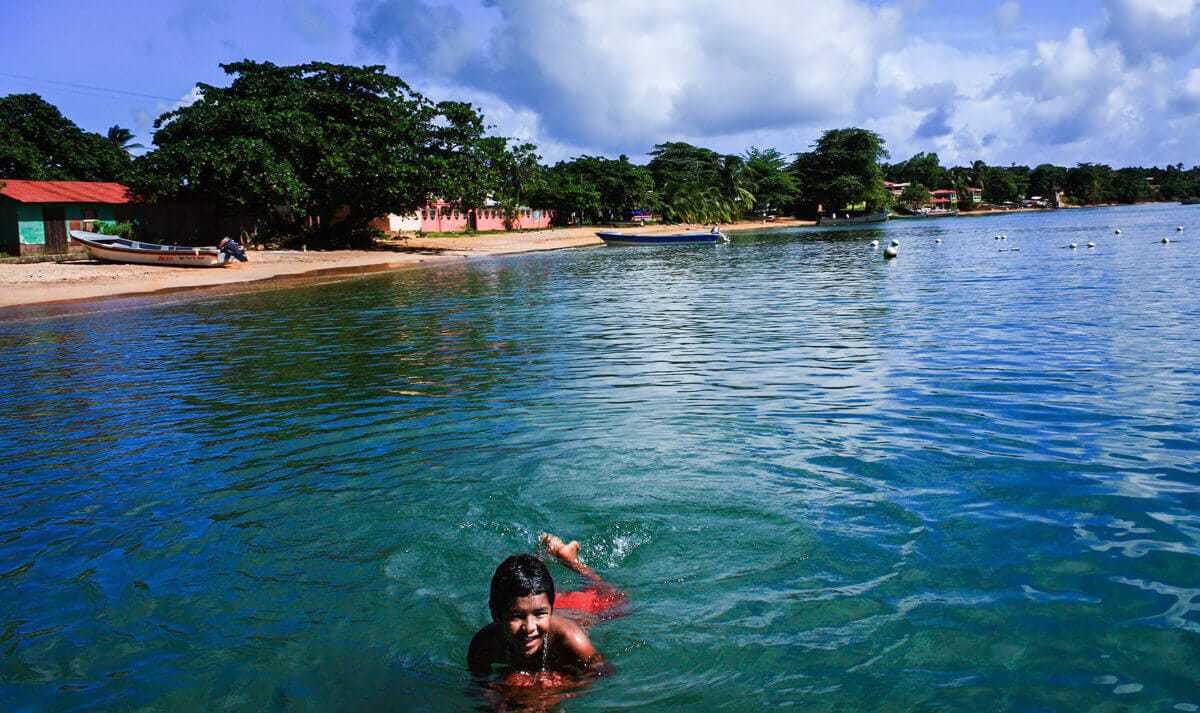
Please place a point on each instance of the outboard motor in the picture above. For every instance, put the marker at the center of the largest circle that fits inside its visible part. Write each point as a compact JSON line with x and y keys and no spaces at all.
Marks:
{"x":230,"y":250}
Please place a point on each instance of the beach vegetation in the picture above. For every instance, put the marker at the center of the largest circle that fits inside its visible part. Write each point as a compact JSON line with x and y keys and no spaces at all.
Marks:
{"x":914,"y":196}
{"x":323,"y":148}
{"x":38,"y":143}
{"x":313,"y":153}
{"x":699,"y":185}
{"x":767,"y":178}
{"x":595,"y":189}
{"x":842,"y":170}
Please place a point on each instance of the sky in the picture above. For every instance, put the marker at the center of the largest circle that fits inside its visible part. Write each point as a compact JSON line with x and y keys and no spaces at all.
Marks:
{"x":1002,"y":81}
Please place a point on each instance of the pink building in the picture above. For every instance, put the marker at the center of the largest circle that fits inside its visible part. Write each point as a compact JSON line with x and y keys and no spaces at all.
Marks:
{"x":438,"y":216}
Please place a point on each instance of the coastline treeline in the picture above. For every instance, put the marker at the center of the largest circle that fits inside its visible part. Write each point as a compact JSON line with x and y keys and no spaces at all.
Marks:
{"x":319,"y":150}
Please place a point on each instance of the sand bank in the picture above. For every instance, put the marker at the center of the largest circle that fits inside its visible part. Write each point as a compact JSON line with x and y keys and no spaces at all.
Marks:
{"x":51,"y":282}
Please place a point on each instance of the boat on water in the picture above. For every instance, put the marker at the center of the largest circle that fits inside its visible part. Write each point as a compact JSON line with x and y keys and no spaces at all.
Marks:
{"x":697,"y":236}
{"x":849,"y":218}
{"x":113,"y":248}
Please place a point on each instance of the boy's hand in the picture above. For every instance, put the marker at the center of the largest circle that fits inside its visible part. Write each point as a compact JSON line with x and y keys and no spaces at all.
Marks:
{"x":564,"y":551}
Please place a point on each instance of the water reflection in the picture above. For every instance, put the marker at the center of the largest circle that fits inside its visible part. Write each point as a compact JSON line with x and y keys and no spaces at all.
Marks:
{"x":958,"y":478}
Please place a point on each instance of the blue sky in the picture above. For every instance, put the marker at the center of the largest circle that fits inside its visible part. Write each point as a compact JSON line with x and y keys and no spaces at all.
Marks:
{"x":1115,"y":81}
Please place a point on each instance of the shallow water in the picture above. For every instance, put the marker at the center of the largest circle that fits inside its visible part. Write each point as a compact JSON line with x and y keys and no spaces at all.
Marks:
{"x":963,"y":480}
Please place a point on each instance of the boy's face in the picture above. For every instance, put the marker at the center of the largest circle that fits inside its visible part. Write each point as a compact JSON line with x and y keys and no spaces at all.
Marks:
{"x":526,"y":622}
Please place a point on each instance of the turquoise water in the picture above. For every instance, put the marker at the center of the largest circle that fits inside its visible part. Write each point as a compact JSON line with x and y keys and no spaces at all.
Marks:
{"x":963,"y":480}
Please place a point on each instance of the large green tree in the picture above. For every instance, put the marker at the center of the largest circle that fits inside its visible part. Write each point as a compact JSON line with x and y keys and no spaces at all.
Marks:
{"x":37,"y":142}
{"x":923,"y":168}
{"x":595,"y":189}
{"x":699,"y":185}
{"x":1088,"y":183}
{"x":914,"y":196}
{"x":767,"y":178}
{"x":842,"y":170}
{"x":333,"y":146}
{"x":1046,"y":180}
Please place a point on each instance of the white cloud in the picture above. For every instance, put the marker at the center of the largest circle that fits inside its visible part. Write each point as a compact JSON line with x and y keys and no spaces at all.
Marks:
{"x":620,"y":75}
{"x":1142,"y":28}
{"x":623,"y":73}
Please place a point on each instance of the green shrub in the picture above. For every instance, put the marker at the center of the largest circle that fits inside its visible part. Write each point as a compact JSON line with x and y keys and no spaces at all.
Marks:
{"x":122,"y":229}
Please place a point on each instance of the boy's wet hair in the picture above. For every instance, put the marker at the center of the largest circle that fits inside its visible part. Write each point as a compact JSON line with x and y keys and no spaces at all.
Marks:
{"x":519,"y":576}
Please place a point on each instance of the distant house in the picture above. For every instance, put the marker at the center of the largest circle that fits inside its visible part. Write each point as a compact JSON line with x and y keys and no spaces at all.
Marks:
{"x":36,"y":217}
{"x":439,"y":216}
{"x":895,"y":188}
{"x":976,"y":195}
{"x":944,"y":199}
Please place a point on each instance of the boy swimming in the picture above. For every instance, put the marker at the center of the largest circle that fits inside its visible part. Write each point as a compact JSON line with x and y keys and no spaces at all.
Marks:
{"x":536,"y":644}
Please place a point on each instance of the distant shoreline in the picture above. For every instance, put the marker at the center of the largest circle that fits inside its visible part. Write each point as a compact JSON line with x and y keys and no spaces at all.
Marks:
{"x":26,"y":285}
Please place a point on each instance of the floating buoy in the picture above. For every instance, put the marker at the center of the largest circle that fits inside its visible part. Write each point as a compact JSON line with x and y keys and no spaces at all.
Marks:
{"x":891,"y":250}
{"x":1091,"y":245}
{"x":1004,"y":236}
{"x":996,"y":238}
{"x":1072,"y":246}
{"x":1165,"y":241}
{"x":1179,"y":229}
{"x":1117,"y":231}
{"x":874,"y":243}
{"x":937,"y":240}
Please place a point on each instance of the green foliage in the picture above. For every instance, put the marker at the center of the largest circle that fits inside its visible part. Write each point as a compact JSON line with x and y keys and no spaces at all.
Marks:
{"x":698,"y":185}
{"x":37,"y":142}
{"x":124,"y":230}
{"x":1088,"y":183}
{"x":595,"y":189}
{"x":1129,"y":185}
{"x":923,"y":168}
{"x":768,"y":180}
{"x":122,"y":138}
{"x":337,"y":144}
{"x":915,"y":195}
{"x":1046,"y":180}
{"x":1001,"y":185}
{"x":842,"y":170}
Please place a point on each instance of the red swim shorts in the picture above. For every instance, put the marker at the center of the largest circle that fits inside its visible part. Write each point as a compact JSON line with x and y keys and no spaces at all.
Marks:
{"x":601,"y":602}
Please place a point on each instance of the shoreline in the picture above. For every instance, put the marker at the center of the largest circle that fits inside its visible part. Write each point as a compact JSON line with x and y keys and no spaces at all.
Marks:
{"x":47,"y":284}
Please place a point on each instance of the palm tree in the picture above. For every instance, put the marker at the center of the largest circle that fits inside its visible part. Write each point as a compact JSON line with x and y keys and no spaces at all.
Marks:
{"x":122,"y":137}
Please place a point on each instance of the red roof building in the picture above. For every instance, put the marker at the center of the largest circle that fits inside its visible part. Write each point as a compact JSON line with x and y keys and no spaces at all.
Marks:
{"x":64,"y":192}
{"x":36,"y":217}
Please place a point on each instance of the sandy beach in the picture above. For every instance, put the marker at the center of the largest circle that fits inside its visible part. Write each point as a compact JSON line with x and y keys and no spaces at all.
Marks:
{"x":82,"y":279}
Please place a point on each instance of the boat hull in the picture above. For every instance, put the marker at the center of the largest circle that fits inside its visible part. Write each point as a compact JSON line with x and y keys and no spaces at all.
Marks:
{"x":879,"y":217}
{"x":112,"y":249}
{"x":668,"y":239}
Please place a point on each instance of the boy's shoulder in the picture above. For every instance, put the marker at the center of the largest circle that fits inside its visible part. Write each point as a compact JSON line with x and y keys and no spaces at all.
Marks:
{"x":487,"y":647}
{"x":573,"y":636}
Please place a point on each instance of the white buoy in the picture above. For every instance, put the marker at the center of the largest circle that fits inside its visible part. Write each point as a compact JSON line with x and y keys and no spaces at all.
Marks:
{"x":1091,"y":245}
{"x":1117,"y":231}
{"x":1004,"y":236}
{"x":1165,"y":241}
{"x":937,"y":240}
{"x":1179,"y":229}
{"x":891,"y":250}
{"x":1072,"y":246}
{"x":874,"y":243}
{"x":996,"y":238}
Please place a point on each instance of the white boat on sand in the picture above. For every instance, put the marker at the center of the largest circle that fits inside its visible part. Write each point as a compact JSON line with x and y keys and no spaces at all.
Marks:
{"x":112,"y":248}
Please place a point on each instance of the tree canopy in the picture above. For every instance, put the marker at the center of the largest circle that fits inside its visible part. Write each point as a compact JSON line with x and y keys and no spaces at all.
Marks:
{"x":340,"y":144}
{"x":38,"y":143}
{"x":842,"y":170}
{"x":699,"y":185}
